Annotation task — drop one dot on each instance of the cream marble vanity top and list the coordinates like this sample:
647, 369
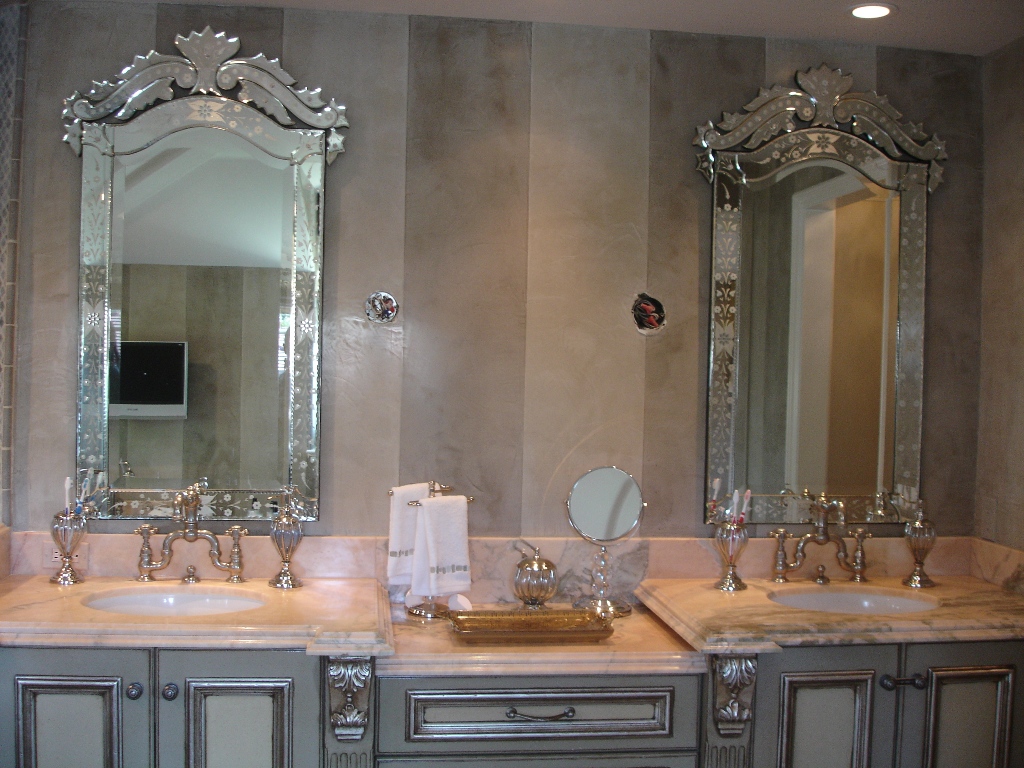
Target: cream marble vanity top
748, 622
640, 644
325, 617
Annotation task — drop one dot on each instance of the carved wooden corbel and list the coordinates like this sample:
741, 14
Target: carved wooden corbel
734, 678
350, 695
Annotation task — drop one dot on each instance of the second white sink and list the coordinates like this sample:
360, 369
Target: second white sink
174, 600
853, 600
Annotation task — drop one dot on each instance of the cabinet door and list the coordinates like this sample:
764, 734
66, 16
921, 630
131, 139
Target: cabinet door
818, 708
963, 715
75, 707
239, 709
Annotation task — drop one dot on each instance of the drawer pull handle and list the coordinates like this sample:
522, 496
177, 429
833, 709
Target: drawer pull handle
566, 714
889, 682
170, 692
134, 691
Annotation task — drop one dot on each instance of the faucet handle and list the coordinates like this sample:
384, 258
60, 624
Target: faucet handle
179, 507
859, 534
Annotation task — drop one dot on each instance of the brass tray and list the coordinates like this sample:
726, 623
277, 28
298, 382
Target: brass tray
524, 625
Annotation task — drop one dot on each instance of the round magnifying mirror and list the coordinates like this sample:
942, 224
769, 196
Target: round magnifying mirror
605, 505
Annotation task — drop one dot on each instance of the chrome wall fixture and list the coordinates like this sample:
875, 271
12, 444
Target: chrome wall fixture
782, 127
381, 307
158, 96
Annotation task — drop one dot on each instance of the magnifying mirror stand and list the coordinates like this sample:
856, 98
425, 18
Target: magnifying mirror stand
599, 600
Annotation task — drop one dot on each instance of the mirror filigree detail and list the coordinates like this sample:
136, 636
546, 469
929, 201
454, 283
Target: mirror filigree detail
130, 133
826, 102
859, 136
205, 68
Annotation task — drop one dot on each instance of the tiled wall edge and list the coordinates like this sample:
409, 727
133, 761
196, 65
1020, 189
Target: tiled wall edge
5, 550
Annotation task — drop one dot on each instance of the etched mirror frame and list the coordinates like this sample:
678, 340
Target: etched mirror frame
253, 98
782, 127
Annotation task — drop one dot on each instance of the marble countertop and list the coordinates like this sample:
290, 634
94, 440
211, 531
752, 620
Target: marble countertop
324, 617
749, 622
640, 644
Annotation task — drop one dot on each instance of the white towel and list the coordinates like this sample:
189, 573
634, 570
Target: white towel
440, 561
402, 531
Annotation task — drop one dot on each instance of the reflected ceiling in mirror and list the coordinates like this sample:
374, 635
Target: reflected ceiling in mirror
201, 223
817, 312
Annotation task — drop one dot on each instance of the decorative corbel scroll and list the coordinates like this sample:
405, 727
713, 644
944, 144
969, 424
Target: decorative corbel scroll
824, 102
205, 68
349, 687
734, 678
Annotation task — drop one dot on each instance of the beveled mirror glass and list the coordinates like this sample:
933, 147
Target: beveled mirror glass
817, 308
201, 226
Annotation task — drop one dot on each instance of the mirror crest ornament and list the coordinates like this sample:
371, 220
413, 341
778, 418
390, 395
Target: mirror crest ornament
252, 98
784, 126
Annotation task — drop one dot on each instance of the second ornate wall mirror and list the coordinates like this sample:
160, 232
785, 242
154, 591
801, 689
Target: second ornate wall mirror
200, 272
817, 298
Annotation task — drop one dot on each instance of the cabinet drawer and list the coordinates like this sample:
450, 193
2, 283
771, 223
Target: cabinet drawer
546, 761
478, 714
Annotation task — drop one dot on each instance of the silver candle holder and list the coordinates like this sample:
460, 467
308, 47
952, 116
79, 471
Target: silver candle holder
920, 537
286, 533
67, 530
730, 537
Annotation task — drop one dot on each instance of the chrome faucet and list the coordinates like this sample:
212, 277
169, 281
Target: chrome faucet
820, 508
186, 509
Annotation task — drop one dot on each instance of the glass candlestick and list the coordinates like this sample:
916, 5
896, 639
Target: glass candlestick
731, 538
67, 530
920, 537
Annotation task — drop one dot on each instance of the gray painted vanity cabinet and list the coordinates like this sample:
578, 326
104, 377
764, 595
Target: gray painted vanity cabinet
132, 708
942, 705
600, 721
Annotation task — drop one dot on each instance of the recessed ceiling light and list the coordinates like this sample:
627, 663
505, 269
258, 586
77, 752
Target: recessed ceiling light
872, 10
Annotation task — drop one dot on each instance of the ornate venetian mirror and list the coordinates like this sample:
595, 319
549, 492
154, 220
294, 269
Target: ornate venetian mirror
200, 281
817, 309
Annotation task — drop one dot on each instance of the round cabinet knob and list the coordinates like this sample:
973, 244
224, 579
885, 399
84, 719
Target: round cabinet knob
170, 692
134, 691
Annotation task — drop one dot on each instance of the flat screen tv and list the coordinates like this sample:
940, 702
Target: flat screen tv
149, 380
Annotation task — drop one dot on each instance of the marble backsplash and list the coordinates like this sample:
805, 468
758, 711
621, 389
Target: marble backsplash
494, 560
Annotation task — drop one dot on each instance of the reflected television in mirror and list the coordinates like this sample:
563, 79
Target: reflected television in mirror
149, 380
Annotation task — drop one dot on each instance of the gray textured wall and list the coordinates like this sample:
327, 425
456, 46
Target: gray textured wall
515, 185
999, 500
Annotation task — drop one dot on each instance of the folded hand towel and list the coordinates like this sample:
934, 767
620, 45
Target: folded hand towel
441, 554
402, 531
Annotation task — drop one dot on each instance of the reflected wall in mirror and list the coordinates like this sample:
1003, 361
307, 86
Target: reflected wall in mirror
201, 230
817, 313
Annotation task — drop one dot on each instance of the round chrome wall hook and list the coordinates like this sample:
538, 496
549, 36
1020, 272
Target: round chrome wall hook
381, 307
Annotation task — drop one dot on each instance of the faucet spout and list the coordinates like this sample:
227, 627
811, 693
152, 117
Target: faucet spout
186, 511
822, 536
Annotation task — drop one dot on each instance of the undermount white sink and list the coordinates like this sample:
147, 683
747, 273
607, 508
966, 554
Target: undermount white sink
863, 601
174, 600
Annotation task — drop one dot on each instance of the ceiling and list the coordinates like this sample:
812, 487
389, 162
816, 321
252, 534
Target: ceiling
974, 27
